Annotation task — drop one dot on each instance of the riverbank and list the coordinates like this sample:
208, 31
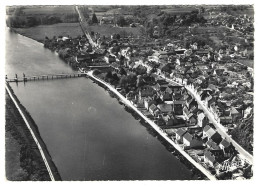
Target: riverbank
156, 128
23, 158
196, 173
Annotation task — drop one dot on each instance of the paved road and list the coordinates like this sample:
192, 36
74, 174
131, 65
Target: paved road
221, 130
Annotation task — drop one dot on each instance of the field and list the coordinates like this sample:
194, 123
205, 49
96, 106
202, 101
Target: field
36, 10
178, 10
38, 33
108, 30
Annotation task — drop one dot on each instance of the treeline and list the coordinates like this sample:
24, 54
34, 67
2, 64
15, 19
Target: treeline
31, 21
20, 20
171, 25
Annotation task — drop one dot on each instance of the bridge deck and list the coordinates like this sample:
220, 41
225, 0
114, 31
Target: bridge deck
46, 77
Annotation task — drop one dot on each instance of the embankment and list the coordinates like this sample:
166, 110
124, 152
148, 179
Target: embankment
185, 155
33, 155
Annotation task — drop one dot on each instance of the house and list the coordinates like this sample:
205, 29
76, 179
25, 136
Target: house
192, 120
130, 95
165, 108
212, 102
178, 107
166, 97
212, 145
148, 102
224, 144
191, 142
211, 133
83, 57
160, 86
163, 55
209, 158
186, 111
160, 122
180, 51
202, 53
111, 59
201, 116
179, 134
192, 105
225, 119
146, 92
170, 122
235, 114
153, 110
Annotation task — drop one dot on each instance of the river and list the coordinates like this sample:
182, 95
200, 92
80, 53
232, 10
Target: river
88, 133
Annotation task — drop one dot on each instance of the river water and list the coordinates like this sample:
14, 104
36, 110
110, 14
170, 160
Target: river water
88, 134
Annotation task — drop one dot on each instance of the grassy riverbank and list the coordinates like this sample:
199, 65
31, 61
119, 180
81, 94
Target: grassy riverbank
23, 159
40, 32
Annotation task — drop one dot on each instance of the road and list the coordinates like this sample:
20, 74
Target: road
159, 130
83, 23
220, 129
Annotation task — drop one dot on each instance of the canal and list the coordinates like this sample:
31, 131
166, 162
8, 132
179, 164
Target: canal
89, 134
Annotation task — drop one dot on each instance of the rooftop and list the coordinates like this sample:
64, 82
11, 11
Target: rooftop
181, 131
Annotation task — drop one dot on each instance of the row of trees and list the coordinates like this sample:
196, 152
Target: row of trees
31, 21
19, 19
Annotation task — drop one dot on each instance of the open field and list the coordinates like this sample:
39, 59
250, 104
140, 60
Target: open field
108, 30
181, 10
38, 33
35, 10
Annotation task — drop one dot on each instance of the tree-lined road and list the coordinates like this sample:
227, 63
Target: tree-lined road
82, 23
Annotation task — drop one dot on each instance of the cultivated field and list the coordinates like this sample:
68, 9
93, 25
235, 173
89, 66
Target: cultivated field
38, 33
36, 10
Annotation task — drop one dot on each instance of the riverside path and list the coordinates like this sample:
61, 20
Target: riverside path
155, 127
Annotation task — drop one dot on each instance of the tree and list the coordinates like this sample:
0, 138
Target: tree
96, 72
122, 71
85, 12
109, 75
251, 56
94, 18
168, 20
121, 21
